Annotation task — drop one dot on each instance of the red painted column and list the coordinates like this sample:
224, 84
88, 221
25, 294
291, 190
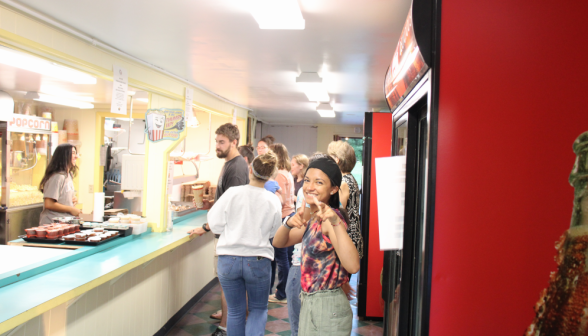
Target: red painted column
512, 101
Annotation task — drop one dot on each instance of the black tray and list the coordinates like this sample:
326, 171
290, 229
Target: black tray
87, 243
121, 232
41, 240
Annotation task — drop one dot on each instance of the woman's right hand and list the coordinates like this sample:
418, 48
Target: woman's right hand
75, 211
297, 221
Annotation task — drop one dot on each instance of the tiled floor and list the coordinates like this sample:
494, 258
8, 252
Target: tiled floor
197, 321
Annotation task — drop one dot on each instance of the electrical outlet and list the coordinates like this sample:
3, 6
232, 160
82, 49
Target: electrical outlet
91, 189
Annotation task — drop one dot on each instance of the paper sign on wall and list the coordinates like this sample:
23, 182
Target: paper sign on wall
390, 188
170, 177
120, 86
164, 124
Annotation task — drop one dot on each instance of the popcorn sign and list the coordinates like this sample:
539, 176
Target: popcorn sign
164, 124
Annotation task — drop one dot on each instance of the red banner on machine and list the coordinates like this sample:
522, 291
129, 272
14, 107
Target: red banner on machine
407, 66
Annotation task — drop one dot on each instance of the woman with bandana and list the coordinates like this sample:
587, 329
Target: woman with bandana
328, 253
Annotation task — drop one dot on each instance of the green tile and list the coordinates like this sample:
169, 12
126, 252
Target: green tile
285, 333
214, 302
267, 332
359, 324
379, 324
206, 315
274, 305
271, 318
287, 320
200, 329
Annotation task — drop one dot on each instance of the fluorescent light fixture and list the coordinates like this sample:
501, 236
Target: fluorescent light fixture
277, 14
42, 97
325, 110
141, 96
131, 93
313, 87
35, 64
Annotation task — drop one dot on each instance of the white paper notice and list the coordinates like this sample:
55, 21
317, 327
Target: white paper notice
103, 156
188, 103
170, 177
120, 85
390, 187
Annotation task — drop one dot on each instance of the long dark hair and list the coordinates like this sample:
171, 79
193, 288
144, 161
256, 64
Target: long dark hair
60, 162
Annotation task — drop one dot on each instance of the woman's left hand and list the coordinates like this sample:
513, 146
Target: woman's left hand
327, 215
74, 200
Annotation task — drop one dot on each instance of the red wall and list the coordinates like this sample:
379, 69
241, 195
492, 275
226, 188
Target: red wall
512, 101
381, 147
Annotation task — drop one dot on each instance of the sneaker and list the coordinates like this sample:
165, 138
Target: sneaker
273, 299
219, 332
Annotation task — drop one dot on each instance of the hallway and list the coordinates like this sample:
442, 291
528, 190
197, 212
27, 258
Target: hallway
197, 322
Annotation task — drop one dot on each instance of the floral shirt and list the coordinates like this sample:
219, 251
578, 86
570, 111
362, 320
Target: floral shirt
320, 268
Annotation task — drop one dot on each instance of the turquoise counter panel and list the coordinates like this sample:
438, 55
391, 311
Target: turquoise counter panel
37, 290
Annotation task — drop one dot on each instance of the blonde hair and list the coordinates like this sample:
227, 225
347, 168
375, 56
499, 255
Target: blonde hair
344, 153
301, 159
264, 166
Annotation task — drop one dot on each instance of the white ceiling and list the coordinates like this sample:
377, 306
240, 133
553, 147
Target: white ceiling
218, 44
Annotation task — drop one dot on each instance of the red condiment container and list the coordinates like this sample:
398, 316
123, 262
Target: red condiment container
41, 232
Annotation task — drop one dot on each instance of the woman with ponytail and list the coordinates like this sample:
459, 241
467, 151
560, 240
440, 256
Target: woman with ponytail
246, 217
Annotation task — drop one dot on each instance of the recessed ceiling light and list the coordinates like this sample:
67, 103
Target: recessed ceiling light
325, 110
277, 14
313, 87
35, 64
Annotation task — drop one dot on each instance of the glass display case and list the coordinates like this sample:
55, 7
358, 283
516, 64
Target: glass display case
25, 152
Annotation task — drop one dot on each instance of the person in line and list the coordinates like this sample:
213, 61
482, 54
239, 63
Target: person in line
344, 155
293, 288
328, 253
246, 151
299, 164
263, 145
57, 185
235, 172
283, 256
246, 217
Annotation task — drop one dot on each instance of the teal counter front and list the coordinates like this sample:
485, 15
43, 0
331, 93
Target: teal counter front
130, 288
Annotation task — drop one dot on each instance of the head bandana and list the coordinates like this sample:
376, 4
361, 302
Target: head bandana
331, 169
258, 175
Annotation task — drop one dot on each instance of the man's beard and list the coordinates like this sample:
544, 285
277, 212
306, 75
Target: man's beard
221, 154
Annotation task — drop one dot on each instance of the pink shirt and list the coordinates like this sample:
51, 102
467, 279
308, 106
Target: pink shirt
286, 183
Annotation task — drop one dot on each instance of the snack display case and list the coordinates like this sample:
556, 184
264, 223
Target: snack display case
25, 152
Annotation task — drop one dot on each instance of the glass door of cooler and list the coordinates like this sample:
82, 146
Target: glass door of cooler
404, 292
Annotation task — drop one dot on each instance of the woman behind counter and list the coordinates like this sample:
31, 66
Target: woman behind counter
57, 185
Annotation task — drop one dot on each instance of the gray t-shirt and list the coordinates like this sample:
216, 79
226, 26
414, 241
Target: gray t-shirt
59, 187
234, 173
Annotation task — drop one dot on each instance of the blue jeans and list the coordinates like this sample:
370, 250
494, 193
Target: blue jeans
293, 289
245, 279
281, 261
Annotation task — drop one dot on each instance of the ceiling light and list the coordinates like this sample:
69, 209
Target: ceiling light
325, 110
30, 63
131, 93
42, 97
141, 96
277, 14
313, 86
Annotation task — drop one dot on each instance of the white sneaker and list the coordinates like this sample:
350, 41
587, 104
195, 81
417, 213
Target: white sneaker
273, 299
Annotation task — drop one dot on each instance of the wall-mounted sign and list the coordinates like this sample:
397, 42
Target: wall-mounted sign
164, 124
407, 66
390, 186
120, 84
29, 122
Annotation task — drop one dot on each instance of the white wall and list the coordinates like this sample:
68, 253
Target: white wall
297, 138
